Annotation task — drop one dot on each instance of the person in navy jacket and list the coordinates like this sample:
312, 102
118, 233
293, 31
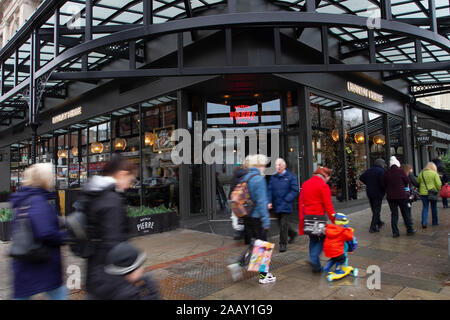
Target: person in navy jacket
283, 189
34, 278
373, 179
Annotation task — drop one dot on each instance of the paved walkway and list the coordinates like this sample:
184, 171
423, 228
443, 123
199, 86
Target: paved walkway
191, 265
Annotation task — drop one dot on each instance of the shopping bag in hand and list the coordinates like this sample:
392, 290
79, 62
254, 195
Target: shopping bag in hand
261, 256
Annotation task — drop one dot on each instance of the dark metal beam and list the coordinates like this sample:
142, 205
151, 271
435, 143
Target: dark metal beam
319, 68
56, 34
324, 40
386, 9
148, 12
432, 15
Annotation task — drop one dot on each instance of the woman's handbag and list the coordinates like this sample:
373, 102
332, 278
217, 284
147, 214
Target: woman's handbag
445, 191
25, 247
314, 225
433, 195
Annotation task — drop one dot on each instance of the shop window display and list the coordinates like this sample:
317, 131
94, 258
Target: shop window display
327, 141
355, 151
377, 138
396, 142
160, 179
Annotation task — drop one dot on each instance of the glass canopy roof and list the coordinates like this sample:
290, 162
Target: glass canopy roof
130, 12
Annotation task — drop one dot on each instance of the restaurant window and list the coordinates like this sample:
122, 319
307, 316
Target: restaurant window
62, 159
377, 138
99, 144
396, 142
326, 118
125, 141
355, 151
160, 179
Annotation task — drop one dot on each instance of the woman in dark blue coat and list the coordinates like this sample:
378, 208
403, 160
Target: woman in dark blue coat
34, 278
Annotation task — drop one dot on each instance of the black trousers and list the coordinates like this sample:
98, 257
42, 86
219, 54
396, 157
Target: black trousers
375, 205
285, 228
253, 229
394, 205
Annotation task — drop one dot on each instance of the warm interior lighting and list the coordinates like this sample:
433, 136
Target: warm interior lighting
62, 154
120, 144
359, 137
379, 139
96, 147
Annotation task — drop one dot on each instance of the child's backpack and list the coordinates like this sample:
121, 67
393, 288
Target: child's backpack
352, 245
240, 200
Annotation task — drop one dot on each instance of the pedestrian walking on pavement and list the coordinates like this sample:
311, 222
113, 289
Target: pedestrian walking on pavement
257, 224
373, 179
282, 191
106, 215
125, 277
237, 223
413, 193
444, 180
428, 179
315, 199
33, 199
396, 183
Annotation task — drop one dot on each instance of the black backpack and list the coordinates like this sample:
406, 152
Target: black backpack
79, 226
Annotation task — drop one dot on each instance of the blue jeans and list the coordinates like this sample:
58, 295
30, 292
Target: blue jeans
434, 211
445, 202
315, 249
55, 294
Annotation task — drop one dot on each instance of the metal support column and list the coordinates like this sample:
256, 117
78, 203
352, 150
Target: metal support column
305, 123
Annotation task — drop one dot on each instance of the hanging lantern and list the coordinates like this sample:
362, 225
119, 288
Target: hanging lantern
149, 139
359, 137
335, 134
120, 144
62, 154
75, 151
379, 139
96, 147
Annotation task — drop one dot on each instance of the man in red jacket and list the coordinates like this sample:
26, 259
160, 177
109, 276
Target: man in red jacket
315, 199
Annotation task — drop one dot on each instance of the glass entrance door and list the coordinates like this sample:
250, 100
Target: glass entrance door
240, 126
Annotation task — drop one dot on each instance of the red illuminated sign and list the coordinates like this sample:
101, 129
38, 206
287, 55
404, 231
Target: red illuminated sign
242, 116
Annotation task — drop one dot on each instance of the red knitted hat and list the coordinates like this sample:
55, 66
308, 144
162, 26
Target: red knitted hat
323, 171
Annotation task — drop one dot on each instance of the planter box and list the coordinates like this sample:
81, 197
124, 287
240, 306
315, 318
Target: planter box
5, 231
153, 223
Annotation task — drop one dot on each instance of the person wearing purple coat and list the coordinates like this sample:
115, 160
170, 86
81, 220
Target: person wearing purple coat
34, 278
396, 182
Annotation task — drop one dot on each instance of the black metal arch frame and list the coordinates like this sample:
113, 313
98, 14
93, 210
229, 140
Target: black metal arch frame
126, 40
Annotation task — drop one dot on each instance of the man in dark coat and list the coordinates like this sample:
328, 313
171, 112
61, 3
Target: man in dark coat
373, 179
283, 189
396, 181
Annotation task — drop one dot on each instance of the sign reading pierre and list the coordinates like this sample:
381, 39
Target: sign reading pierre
67, 115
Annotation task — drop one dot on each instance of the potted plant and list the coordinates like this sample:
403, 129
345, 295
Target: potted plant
145, 220
5, 224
